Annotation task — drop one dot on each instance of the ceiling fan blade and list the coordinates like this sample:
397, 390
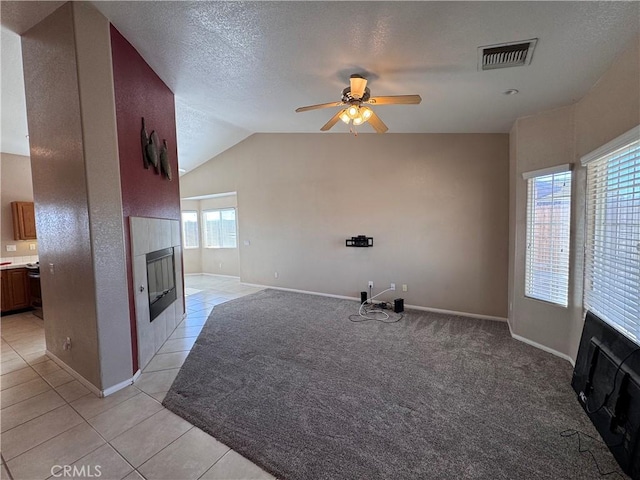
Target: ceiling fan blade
333, 121
395, 100
358, 85
377, 124
321, 105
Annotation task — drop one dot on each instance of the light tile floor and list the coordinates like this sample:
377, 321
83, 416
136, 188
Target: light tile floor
49, 419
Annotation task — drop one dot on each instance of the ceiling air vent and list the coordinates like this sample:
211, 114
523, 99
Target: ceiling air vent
505, 55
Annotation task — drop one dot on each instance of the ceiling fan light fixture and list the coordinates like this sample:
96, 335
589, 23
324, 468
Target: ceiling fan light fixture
353, 111
354, 103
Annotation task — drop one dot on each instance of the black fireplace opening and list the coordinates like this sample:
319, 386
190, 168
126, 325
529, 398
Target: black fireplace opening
161, 281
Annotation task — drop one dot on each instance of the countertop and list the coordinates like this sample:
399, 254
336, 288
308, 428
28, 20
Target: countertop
20, 262
13, 265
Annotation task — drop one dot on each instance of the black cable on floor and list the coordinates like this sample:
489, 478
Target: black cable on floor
572, 433
613, 387
360, 319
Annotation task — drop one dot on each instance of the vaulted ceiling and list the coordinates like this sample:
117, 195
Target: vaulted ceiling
242, 67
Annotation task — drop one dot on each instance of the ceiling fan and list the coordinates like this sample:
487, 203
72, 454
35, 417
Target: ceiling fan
355, 100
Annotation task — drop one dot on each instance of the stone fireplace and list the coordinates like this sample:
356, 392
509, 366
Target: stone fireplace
158, 282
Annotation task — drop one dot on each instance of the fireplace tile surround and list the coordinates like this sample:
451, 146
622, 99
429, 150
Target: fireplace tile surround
149, 235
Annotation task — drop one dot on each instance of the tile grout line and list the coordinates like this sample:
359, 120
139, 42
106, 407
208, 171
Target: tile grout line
172, 442
37, 416
85, 420
28, 366
164, 369
106, 442
27, 398
214, 463
45, 441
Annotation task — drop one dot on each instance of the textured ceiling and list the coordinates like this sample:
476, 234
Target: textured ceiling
242, 67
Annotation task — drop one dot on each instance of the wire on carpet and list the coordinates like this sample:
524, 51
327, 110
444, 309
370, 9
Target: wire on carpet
364, 312
613, 387
572, 433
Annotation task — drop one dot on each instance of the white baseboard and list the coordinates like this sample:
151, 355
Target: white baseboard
95, 390
460, 314
541, 347
119, 386
435, 310
211, 275
413, 307
295, 290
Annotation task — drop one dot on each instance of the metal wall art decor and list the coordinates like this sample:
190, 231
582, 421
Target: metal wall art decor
153, 153
144, 139
164, 159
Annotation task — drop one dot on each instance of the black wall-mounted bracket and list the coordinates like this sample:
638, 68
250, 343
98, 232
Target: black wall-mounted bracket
359, 241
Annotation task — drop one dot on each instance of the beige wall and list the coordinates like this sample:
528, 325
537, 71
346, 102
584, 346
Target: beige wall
436, 205
538, 142
69, 91
221, 261
16, 186
192, 257
561, 136
218, 261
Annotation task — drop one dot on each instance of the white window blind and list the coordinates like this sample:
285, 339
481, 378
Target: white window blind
220, 228
612, 253
190, 229
548, 229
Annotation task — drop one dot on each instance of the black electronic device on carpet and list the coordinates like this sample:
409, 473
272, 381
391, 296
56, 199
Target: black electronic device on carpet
606, 379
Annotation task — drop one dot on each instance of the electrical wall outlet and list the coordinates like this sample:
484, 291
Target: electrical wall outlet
404, 288
275, 274
32, 246
393, 286
67, 344
370, 283
11, 248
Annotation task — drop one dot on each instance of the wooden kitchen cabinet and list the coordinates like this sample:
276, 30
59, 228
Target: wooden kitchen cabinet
15, 289
24, 220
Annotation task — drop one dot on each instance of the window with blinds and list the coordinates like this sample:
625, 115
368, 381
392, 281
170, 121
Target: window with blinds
612, 250
190, 229
220, 228
548, 228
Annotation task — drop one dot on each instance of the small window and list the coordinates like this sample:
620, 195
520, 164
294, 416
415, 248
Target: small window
220, 228
190, 234
612, 257
548, 229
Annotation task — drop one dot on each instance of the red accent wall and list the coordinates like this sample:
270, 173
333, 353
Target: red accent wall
139, 92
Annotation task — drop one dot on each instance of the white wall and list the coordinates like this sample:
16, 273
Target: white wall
561, 136
436, 205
